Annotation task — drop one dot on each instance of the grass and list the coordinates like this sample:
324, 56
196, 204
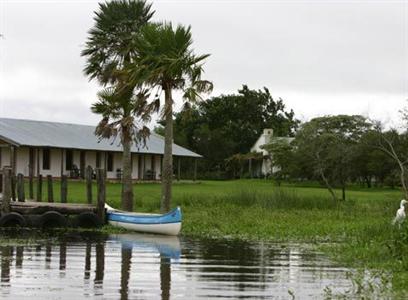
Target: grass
356, 232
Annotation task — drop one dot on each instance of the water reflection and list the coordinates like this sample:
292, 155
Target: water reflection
144, 266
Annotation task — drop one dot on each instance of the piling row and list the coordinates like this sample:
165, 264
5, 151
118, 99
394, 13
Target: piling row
14, 204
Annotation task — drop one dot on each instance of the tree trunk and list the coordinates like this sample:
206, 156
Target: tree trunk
127, 188
343, 192
328, 185
167, 174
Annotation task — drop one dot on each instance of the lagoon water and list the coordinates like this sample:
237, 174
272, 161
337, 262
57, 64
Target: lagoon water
137, 266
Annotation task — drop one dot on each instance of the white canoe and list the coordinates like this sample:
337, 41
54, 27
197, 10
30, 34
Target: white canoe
168, 224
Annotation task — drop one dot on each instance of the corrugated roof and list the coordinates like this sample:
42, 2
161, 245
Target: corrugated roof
74, 136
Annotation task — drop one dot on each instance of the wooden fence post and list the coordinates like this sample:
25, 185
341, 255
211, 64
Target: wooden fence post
101, 196
50, 189
39, 188
13, 186
31, 186
64, 188
88, 176
20, 188
5, 204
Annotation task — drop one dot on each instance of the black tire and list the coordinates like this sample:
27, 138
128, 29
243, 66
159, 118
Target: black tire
88, 220
12, 219
52, 219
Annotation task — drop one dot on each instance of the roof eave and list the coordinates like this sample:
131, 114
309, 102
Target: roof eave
9, 141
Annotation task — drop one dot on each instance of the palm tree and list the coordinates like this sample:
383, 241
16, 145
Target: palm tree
108, 51
124, 117
166, 60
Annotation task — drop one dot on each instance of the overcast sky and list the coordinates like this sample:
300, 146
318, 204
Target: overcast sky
321, 57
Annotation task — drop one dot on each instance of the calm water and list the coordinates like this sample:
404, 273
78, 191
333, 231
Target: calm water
135, 266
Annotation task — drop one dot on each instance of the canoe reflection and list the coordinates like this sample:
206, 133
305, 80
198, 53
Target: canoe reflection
167, 246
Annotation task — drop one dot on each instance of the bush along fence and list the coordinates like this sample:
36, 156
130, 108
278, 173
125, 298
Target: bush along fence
17, 210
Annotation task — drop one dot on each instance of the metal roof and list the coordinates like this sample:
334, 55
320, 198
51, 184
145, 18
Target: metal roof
74, 136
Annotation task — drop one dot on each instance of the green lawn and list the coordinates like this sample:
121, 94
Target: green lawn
356, 232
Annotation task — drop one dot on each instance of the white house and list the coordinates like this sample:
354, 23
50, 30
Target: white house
50, 148
265, 167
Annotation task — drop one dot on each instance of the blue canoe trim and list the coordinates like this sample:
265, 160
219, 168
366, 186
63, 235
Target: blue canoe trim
173, 216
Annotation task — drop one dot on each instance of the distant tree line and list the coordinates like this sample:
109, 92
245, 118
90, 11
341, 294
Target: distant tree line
341, 150
334, 150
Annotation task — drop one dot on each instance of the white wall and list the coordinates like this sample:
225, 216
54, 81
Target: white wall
5, 157
22, 160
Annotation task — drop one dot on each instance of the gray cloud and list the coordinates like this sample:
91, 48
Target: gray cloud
320, 56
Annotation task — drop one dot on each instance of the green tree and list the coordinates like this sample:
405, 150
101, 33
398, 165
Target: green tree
229, 124
109, 51
326, 146
167, 61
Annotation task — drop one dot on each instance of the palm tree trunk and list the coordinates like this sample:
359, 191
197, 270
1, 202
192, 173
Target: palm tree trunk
127, 188
167, 172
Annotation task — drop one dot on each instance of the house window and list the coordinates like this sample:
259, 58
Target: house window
110, 162
69, 160
98, 160
46, 159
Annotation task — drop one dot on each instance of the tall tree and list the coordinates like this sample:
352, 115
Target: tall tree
109, 51
167, 61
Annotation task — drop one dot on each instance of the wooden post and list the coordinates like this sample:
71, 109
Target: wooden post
89, 184
13, 160
195, 170
31, 174
178, 168
20, 188
5, 204
38, 162
31, 187
13, 185
62, 163
50, 189
39, 188
101, 196
64, 188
